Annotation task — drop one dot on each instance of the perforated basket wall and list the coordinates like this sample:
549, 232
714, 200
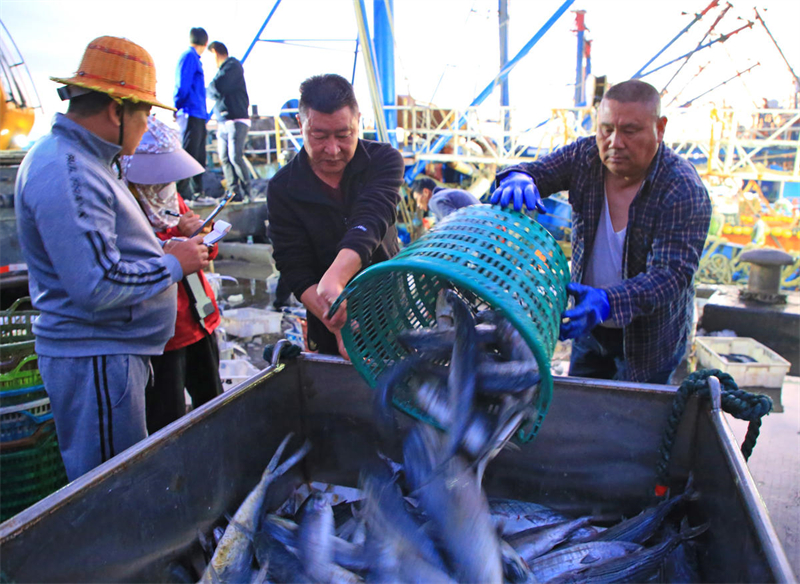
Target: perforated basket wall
494, 258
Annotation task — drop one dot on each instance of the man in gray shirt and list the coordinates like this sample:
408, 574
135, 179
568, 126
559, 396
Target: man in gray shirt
440, 201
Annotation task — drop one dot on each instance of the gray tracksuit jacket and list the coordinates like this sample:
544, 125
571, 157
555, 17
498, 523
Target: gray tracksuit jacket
97, 272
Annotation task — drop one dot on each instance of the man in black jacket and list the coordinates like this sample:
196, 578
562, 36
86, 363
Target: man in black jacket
333, 208
231, 109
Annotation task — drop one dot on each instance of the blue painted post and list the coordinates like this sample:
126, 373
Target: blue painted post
580, 76
383, 39
504, 101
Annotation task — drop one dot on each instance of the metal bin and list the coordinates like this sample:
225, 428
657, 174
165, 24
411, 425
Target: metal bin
596, 452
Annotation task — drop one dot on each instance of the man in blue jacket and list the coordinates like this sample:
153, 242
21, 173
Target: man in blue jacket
98, 275
192, 115
229, 90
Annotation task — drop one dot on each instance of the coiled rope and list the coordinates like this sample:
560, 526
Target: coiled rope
737, 402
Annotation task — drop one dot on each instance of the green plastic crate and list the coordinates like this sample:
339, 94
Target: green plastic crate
17, 325
25, 374
32, 469
492, 257
19, 367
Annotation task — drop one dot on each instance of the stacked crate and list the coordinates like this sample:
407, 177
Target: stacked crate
30, 462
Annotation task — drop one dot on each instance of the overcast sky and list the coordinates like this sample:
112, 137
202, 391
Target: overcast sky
446, 50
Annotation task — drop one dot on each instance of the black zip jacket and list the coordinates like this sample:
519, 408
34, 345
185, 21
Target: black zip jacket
308, 228
230, 92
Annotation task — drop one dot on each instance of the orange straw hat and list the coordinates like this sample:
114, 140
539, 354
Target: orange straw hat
119, 68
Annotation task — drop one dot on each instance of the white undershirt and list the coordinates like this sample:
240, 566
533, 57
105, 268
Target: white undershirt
604, 268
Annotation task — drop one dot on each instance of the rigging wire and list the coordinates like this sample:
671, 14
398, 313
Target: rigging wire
691, 79
450, 65
700, 44
741, 77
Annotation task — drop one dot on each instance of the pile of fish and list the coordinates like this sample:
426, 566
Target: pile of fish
485, 393
428, 519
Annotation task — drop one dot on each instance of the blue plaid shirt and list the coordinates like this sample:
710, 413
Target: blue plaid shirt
667, 227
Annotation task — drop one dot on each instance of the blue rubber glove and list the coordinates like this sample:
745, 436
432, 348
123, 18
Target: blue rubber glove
591, 308
522, 189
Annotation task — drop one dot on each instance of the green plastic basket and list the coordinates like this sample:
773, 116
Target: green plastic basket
32, 469
25, 374
17, 325
493, 258
19, 365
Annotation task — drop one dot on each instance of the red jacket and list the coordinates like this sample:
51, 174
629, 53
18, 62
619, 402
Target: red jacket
187, 329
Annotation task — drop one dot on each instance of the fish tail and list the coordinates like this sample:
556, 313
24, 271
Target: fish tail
293, 459
278, 453
688, 533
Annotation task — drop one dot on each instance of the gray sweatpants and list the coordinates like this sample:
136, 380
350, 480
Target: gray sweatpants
98, 406
231, 137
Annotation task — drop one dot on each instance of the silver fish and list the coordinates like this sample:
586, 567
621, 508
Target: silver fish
346, 554
437, 343
515, 569
636, 567
532, 543
386, 512
549, 566
233, 557
444, 310
452, 498
511, 516
462, 379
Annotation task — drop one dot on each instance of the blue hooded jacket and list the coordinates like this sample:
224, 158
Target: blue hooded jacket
190, 86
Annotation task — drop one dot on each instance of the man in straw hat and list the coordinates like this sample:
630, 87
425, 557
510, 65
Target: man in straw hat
98, 274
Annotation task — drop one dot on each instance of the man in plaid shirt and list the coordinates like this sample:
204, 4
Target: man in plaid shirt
640, 216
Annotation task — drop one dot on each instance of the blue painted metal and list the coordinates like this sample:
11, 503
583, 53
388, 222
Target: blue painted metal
355, 62
504, 96
702, 40
588, 68
260, 30
383, 39
696, 18
374, 82
439, 144
723, 38
580, 75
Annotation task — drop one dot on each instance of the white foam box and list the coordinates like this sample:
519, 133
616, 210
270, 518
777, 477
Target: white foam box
251, 322
233, 371
768, 370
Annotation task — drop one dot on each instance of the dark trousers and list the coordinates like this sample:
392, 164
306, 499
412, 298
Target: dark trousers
230, 147
194, 142
195, 368
282, 294
320, 339
600, 355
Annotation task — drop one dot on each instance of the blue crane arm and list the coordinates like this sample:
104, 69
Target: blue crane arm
412, 172
696, 18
